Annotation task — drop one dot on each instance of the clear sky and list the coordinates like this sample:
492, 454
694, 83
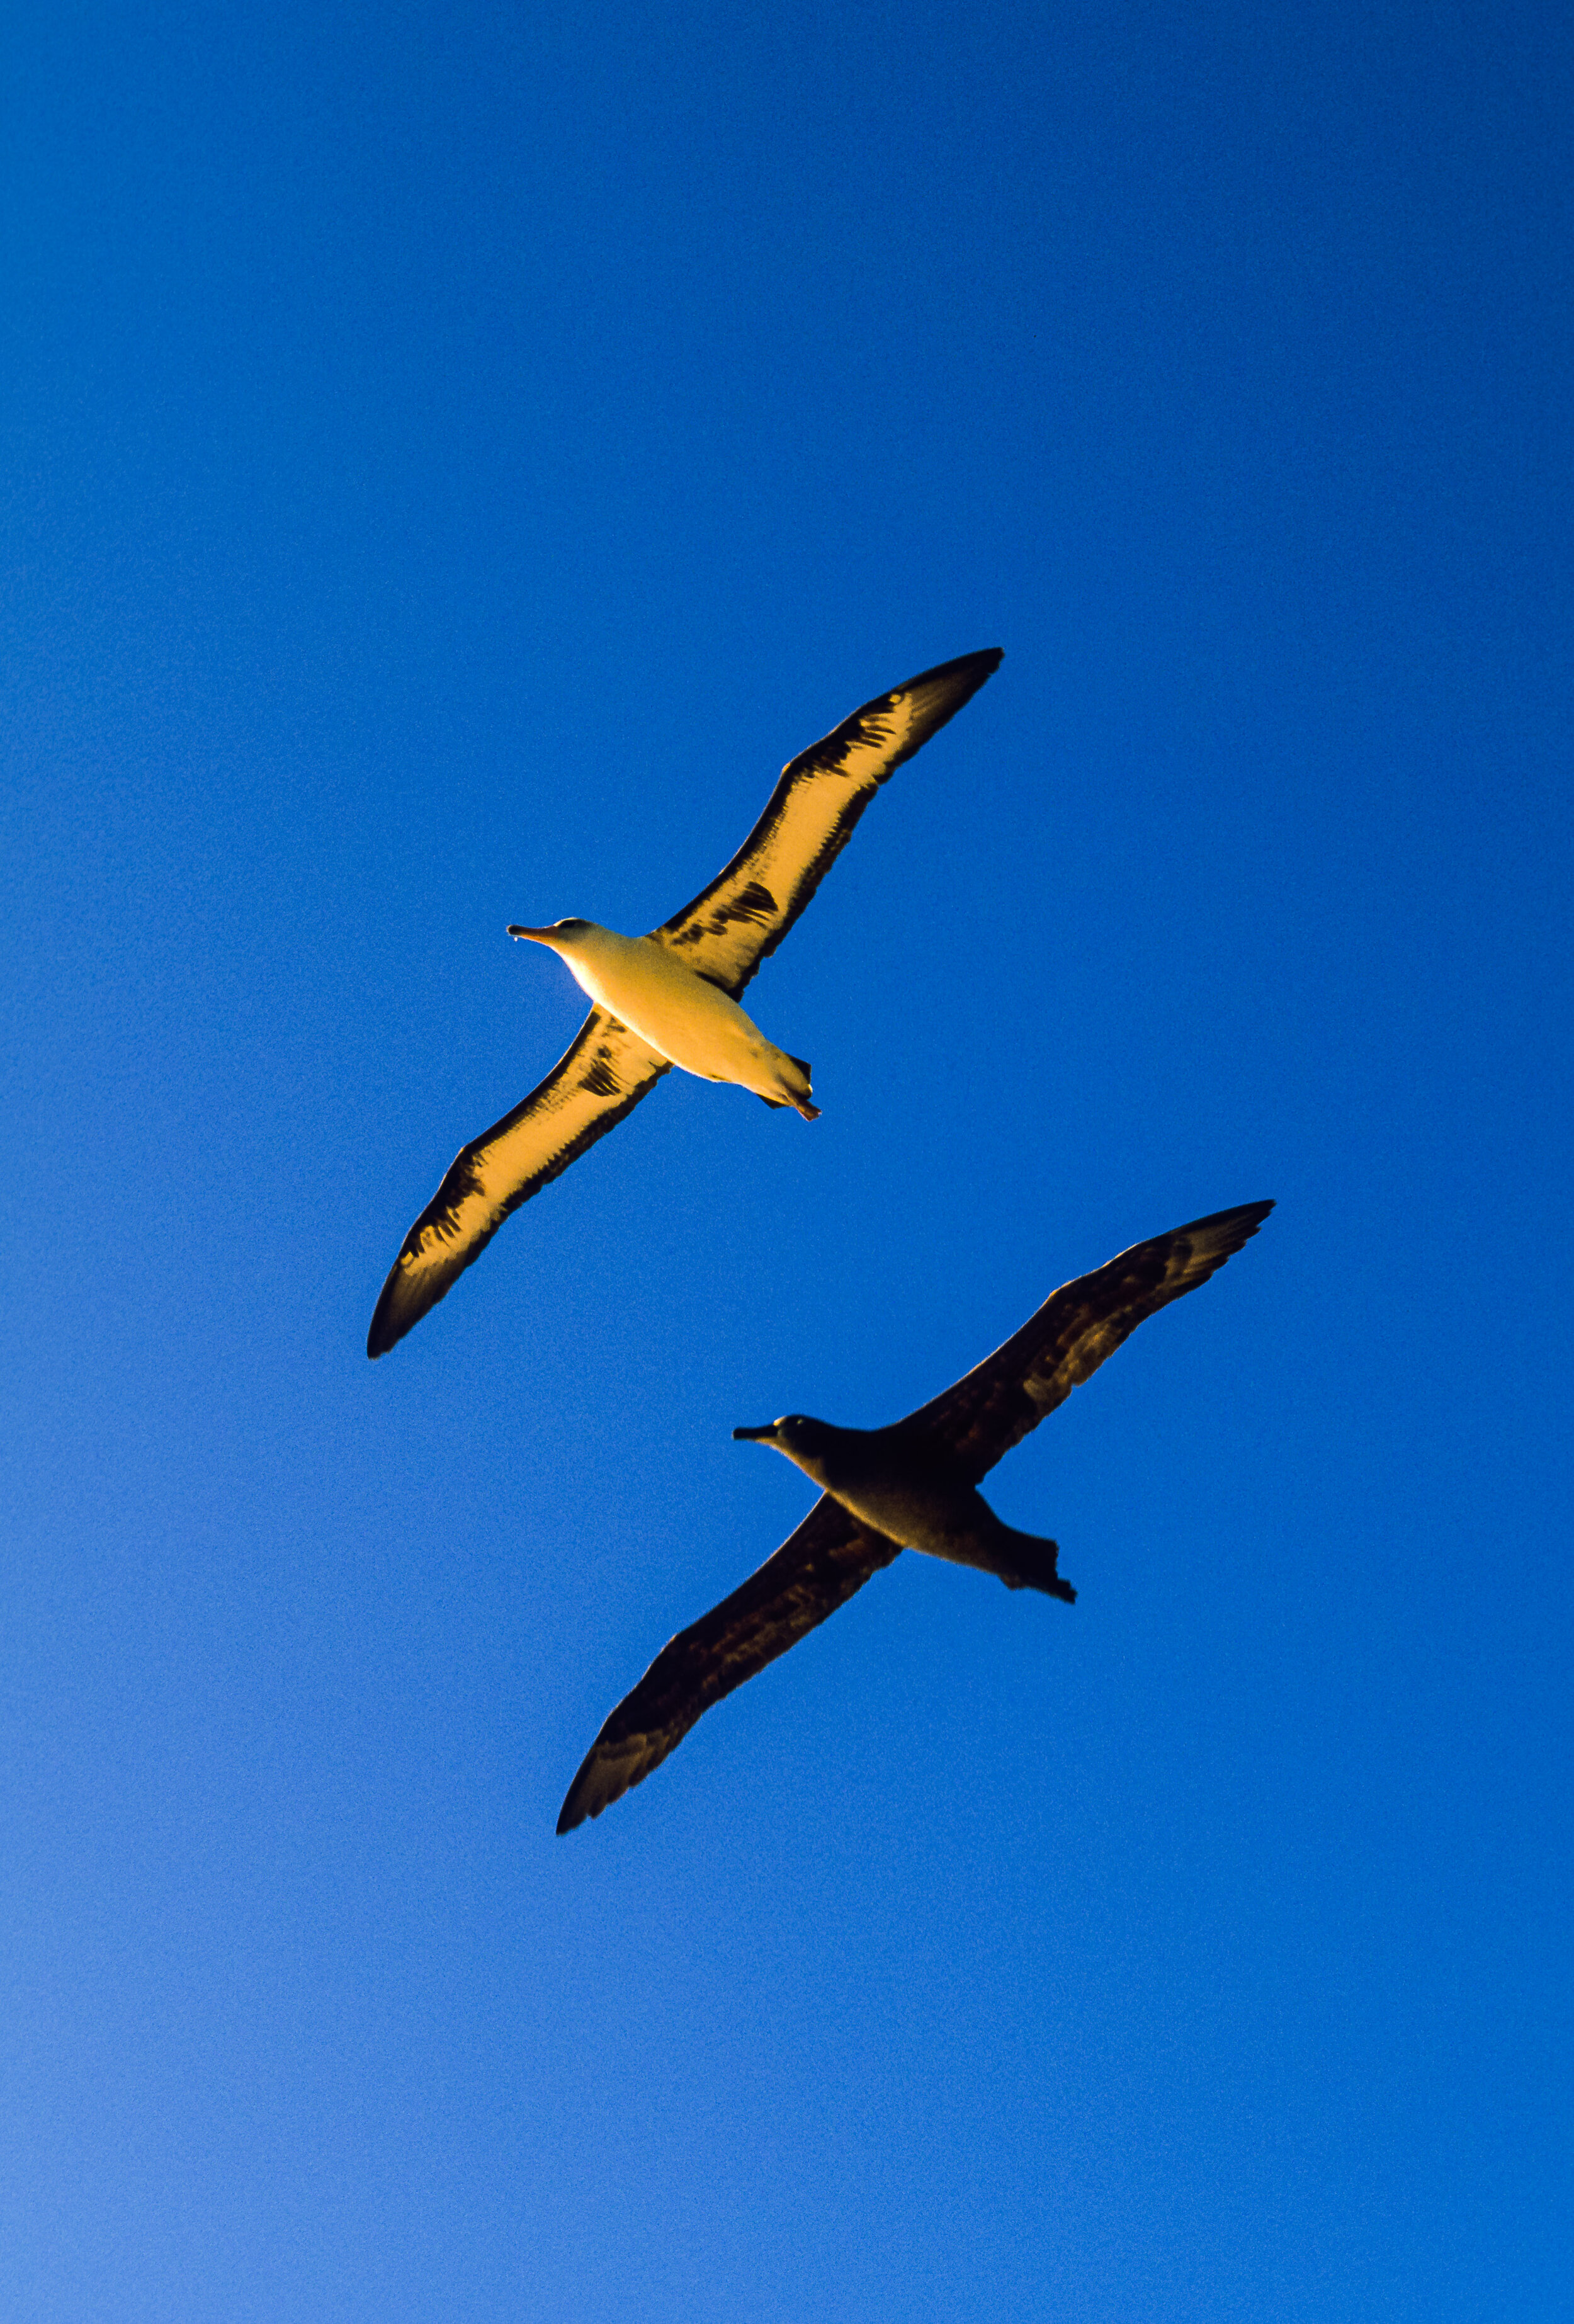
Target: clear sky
454, 455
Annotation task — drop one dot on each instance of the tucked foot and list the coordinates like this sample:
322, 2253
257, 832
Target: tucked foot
810, 1112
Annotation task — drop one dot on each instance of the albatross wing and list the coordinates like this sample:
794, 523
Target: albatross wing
996, 1405
817, 1569
598, 1079
740, 920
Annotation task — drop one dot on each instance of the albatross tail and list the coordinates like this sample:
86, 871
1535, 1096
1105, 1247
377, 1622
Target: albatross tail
796, 1088
803, 1098
1022, 1561
1029, 1563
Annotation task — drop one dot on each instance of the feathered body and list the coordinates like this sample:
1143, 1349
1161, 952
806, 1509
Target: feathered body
677, 1012
900, 1490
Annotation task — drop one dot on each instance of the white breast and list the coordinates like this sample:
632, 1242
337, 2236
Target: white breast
695, 1023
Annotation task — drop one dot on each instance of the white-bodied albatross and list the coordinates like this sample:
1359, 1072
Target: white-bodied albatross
913, 1485
671, 998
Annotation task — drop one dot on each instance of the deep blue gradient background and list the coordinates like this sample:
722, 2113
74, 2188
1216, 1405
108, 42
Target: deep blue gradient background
456, 455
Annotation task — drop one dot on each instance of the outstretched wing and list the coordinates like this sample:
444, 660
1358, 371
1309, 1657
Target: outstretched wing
817, 1569
733, 924
975, 1423
605, 1073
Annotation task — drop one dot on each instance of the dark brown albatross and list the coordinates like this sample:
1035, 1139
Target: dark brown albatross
912, 1485
670, 998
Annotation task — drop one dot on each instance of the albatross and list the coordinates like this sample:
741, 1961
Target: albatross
913, 1485
671, 998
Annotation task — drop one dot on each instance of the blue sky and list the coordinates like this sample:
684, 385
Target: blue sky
455, 457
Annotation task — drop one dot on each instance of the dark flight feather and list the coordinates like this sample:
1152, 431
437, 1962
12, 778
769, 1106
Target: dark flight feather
965, 1430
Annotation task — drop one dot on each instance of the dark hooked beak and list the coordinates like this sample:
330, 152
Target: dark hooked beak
765, 1435
536, 936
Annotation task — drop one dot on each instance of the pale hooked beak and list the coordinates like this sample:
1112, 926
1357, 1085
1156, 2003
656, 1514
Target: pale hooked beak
536, 936
764, 1436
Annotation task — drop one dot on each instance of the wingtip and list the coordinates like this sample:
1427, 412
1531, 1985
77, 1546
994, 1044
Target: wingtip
1234, 1227
579, 1802
578, 1808
1246, 1217
1220, 1236
977, 666
384, 1331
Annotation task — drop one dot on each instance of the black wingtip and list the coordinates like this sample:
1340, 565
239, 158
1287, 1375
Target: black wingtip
975, 667
941, 692
385, 1331
1239, 1223
582, 1806
1247, 1216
